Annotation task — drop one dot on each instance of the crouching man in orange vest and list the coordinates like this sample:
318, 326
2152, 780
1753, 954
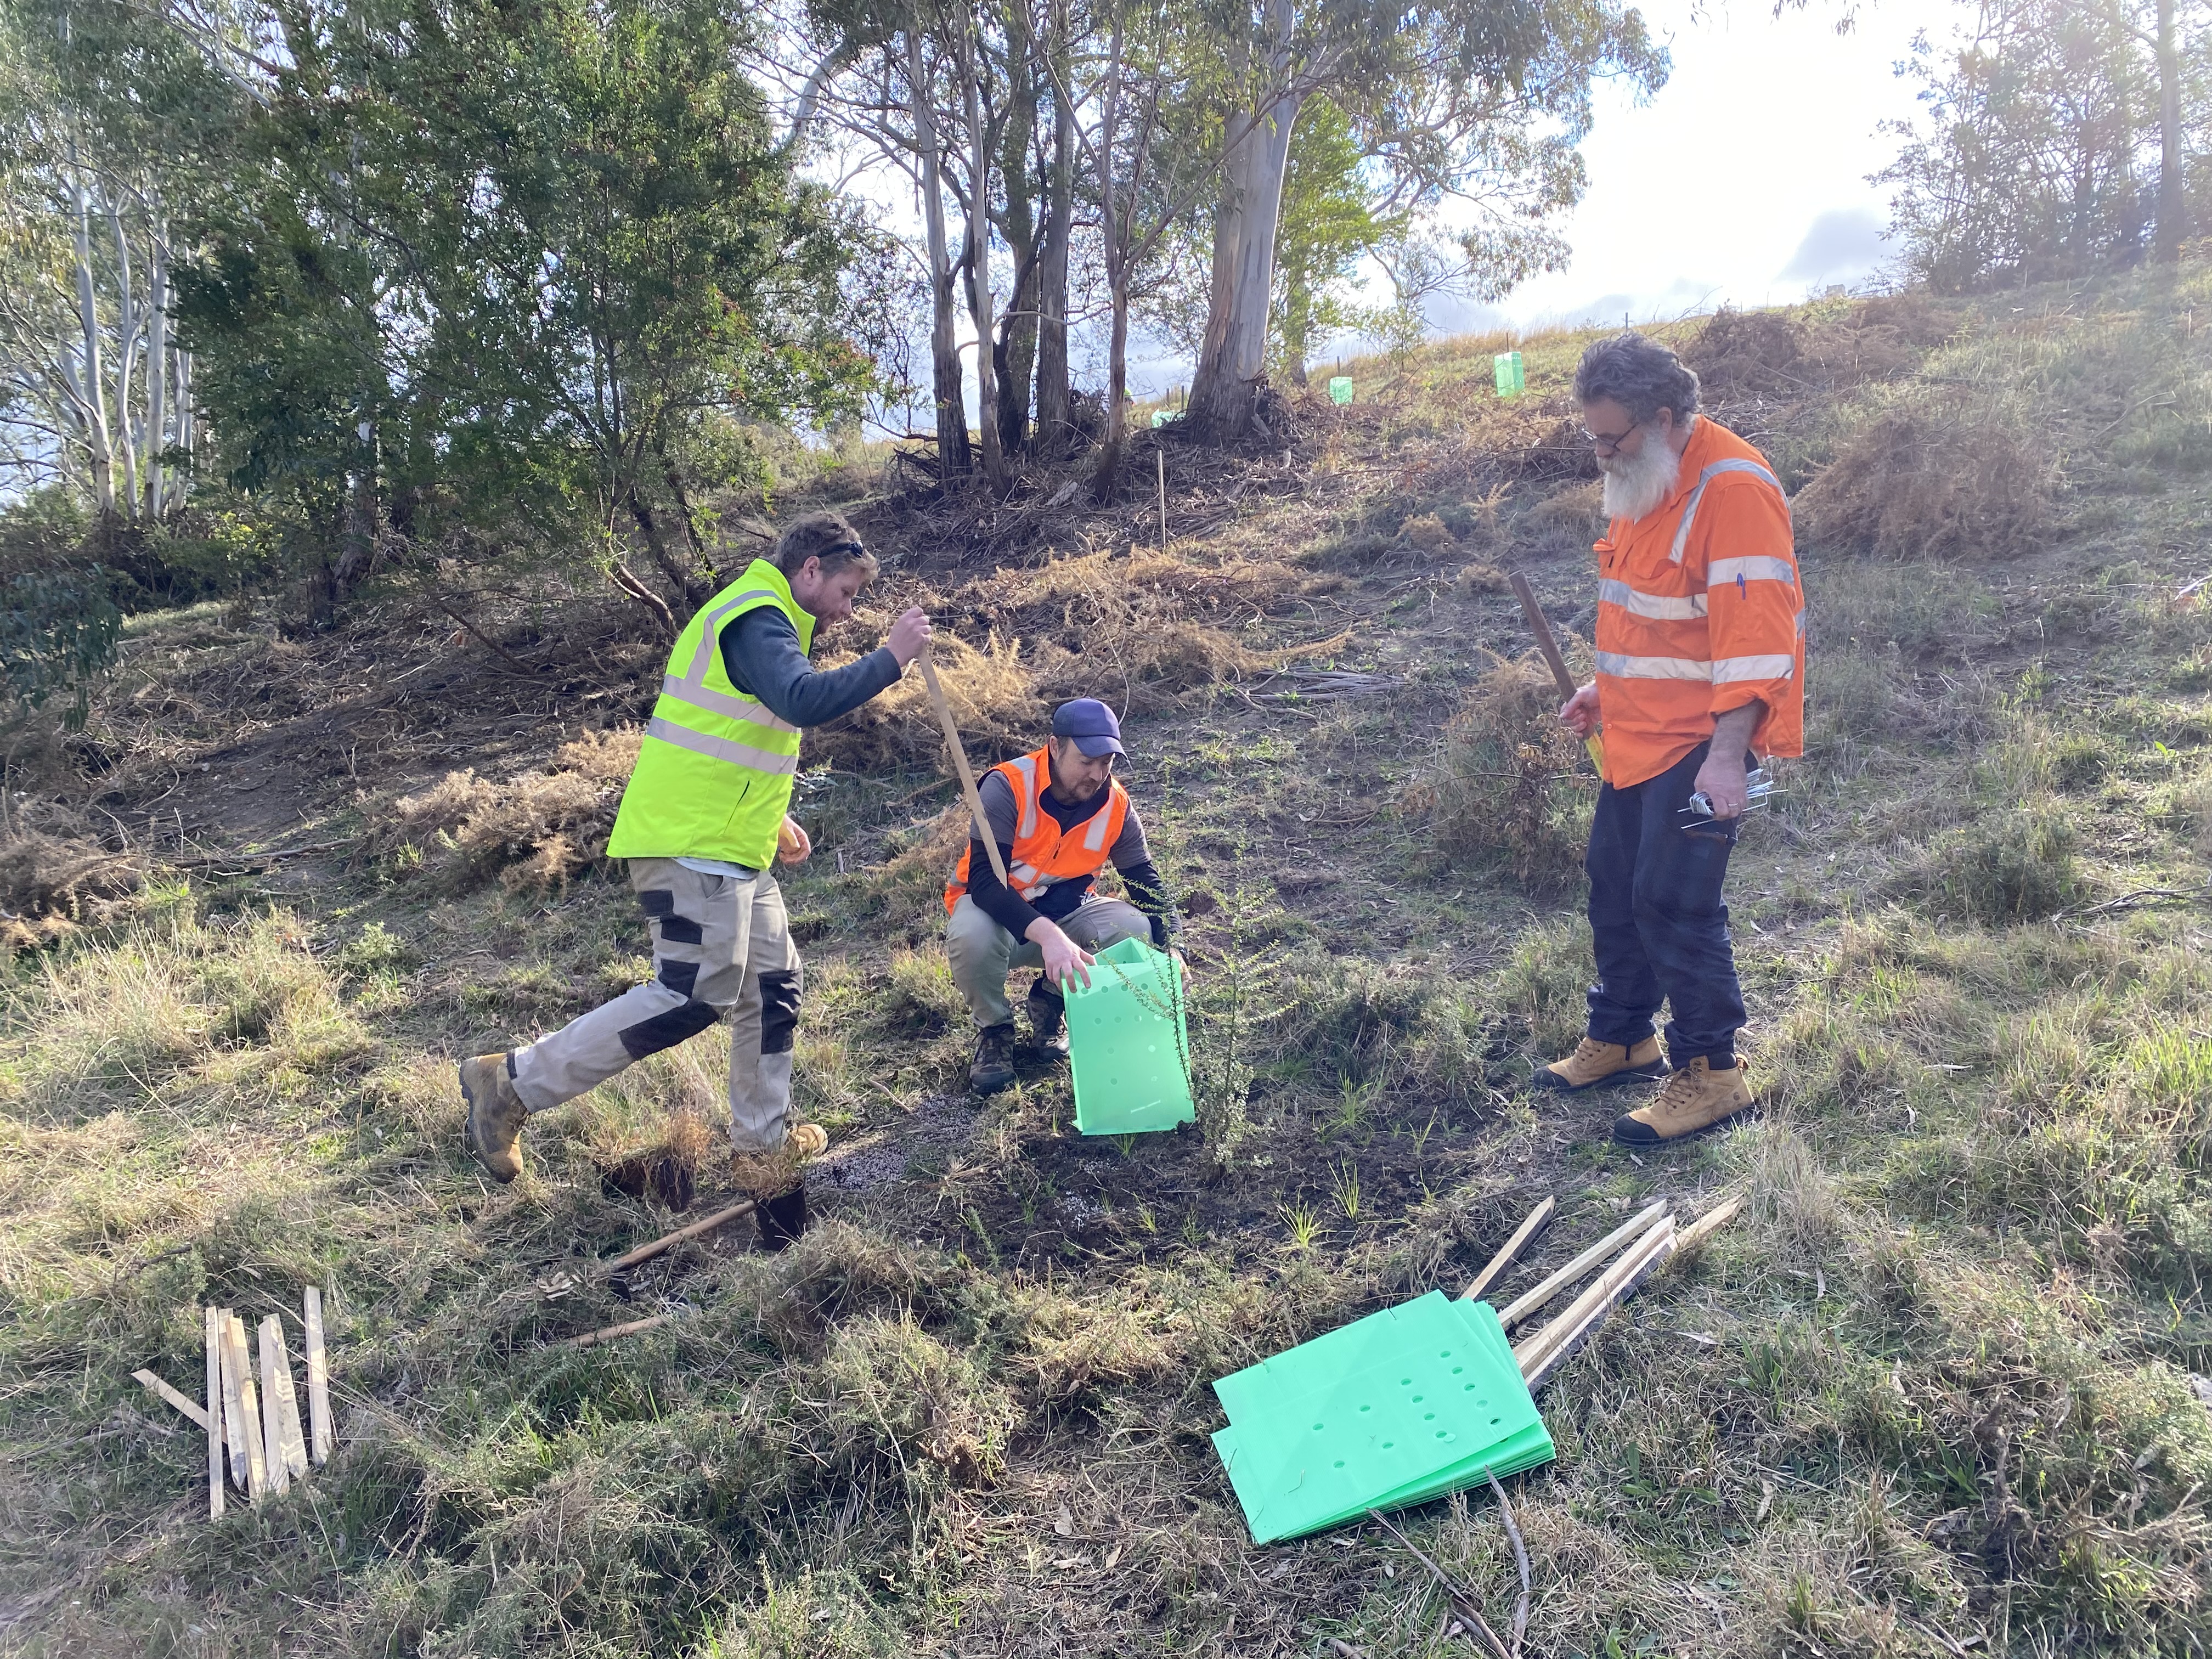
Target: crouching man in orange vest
1060, 815
1700, 666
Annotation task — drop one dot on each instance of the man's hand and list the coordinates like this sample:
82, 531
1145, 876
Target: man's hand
1722, 776
792, 844
1579, 712
1722, 780
1064, 960
909, 635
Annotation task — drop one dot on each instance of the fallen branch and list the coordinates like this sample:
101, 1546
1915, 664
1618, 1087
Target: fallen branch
2140, 895
485, 639
670, 1241
1510, 1252
608, 1334
1463, 1605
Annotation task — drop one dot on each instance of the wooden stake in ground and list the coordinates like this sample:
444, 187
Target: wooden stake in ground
248, 1424
233, 1407
1161, 456
1510, 1252
1540, 625
319, 1380
291, 1450
1530, 1300
214, 1415
967, 774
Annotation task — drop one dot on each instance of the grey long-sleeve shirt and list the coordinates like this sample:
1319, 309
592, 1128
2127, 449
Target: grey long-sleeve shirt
761, 654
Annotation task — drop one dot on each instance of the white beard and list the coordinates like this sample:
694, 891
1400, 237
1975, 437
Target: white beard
1635, 484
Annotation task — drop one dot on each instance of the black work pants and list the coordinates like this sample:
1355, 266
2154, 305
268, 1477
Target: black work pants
1658, 924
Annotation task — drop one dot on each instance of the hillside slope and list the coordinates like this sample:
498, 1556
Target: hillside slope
1932, 1395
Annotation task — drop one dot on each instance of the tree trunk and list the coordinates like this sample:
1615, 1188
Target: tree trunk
1015, 354
973, 67
157, 368
1114, 232
1223, 392
357, 554
187, 418
93, 392
127, 323
2173, 203
1107, 478
1052, 385
953, 458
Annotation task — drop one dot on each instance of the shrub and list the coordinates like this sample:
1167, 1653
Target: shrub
1509, 791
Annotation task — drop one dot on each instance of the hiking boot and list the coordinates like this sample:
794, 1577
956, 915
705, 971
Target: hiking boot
1593, 1063
496, 1114
993, 1068
805, 1140
1696, 1097
1048, 1019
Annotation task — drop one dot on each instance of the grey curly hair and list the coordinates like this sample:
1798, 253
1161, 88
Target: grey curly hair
1641, 376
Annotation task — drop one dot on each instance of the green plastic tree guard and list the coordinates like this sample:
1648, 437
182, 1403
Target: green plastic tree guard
1512, 381
1340, 389
1389, 1410
1128, 1044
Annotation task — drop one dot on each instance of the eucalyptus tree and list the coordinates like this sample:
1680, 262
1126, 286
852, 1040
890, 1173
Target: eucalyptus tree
1485, 102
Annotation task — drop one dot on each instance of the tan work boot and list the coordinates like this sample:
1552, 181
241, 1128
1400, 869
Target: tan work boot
1593, 1063
1696, 1097
495, 1117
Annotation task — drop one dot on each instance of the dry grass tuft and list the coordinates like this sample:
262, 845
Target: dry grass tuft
1508, 789
1427, 532
995, 702
1945, 472
52, 884
537, 830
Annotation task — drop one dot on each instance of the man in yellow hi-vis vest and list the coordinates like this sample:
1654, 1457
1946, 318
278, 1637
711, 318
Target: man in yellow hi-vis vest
706, 809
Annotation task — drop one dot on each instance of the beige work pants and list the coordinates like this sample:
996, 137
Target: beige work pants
982, 953
721, 945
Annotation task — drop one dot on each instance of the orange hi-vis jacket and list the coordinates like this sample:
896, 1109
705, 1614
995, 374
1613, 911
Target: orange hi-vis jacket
1700, 610
1043, 856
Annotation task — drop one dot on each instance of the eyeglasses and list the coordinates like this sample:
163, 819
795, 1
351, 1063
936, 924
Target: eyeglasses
1608, 443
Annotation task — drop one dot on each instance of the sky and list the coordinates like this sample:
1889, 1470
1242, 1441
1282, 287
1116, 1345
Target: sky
1775, 123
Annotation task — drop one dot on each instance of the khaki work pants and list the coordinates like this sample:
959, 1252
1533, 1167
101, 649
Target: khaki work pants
721, 945
982, 953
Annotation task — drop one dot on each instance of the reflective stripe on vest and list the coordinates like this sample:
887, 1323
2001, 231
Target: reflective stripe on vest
735, 704
1757, 567
737, 754
1660, 607
1652, 668
1690, 508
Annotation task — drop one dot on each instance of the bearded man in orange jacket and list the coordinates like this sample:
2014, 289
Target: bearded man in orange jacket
1700, 671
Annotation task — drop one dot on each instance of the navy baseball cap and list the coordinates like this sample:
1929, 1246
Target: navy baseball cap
1092, 724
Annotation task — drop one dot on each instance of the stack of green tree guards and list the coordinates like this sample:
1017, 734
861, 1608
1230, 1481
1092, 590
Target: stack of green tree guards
1127, 1044
1390, 1411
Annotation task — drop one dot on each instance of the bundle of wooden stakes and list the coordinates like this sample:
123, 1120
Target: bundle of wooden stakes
253, 1429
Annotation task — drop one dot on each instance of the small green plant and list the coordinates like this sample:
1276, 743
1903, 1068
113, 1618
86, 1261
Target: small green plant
1345, 1186
1304, 1222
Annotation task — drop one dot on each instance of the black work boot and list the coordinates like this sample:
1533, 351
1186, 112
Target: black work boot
1049, 1018
992, 1069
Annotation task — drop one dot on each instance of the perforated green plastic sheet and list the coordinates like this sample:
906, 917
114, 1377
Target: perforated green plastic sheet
1391, 1410
1129, 1045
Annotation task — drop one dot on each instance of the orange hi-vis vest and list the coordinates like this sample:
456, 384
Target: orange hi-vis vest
1700, 610
1043, 856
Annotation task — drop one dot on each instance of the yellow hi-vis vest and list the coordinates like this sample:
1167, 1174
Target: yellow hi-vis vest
715, 773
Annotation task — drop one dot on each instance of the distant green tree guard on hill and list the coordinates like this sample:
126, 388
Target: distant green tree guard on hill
494, 272
2063, 137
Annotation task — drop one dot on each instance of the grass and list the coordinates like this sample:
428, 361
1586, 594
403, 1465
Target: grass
1930, 1394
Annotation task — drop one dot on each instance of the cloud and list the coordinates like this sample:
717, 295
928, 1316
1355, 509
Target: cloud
1841, 244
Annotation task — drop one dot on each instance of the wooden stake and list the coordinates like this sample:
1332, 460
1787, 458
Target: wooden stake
1161, 456
967, 774
1510, 1252
164, 1391
1530, 1300
214, 1415
1541, 626
1707, 1225
274, 1462
670, 1241
248, 1424
608, 1334
234, 1407
277, 1381
1551, 1347
319, 1380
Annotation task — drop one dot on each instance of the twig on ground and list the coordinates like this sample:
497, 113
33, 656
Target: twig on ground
1463, 1605
2140, 895
609, 1333
670, 1241
486, 640
1520, 1560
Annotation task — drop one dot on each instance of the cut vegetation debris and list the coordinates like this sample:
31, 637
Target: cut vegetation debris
1928, 1393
